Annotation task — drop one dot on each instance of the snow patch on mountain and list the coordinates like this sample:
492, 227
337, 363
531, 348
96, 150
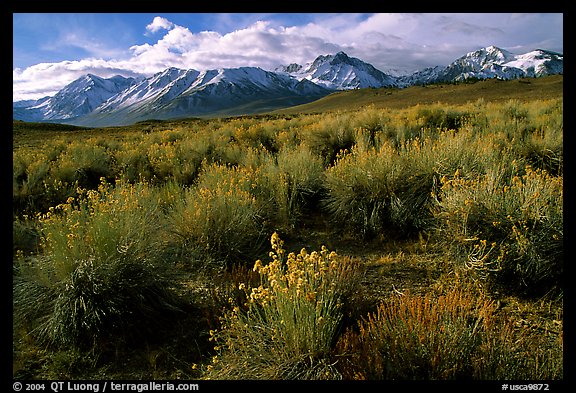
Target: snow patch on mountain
538, 63
162, 86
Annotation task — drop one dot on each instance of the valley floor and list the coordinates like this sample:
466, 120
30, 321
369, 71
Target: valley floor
388, 269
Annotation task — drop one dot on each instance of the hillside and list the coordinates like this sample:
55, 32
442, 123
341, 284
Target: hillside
453, 94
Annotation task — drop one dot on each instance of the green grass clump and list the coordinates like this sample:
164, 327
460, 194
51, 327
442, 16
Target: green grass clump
373, 191
98, 273
288, 185
290, 323
360, 187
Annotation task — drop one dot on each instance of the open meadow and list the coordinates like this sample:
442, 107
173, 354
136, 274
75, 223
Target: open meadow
375, 234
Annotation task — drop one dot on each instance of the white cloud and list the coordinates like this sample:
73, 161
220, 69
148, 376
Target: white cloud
259, 44
46, 79
158, 24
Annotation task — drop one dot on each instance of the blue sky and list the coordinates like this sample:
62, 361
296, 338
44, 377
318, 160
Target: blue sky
51, 50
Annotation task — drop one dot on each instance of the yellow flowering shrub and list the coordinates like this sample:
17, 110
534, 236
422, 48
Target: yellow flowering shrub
99, 269
85, 163
219, 217
508, 223
133, 162
97, 224
290, 322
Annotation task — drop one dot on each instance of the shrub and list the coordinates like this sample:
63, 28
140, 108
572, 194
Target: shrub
541, 156
507, 225
415, 186
360, 187
25, 236
256, 135
370, 191
455, 335
515, 112
98, 274
163, 159
178, 160
422, 337
542, 149
434, 117
329, 136
34, 186
304, 171
85, 164
133, 163
288, 184
29, 174
219, 219
291, 321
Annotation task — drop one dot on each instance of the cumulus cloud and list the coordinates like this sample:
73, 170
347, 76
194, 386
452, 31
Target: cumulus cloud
46, 79
259, 44
159, 23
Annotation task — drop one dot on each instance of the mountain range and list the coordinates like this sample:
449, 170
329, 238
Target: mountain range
173, 93
490, 62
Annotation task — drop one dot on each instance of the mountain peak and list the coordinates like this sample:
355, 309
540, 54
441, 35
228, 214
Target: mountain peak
340, 72
291, 68
490, 54
83, 81
341, 56
492, 48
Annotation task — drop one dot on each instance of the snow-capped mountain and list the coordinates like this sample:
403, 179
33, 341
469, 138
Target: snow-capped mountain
79, 98
340, 72
422, 77
538, 63
490, 62
178, 93
289, 69
160, 88
95, 101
